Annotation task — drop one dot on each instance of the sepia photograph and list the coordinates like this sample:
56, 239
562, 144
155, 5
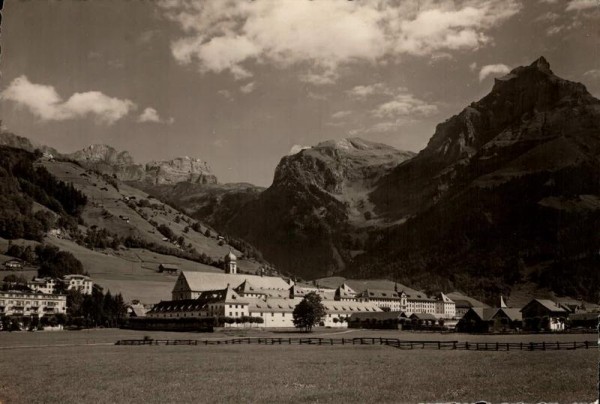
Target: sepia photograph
299, 201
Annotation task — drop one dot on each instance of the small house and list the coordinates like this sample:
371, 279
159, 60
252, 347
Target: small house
168, 268
13, 265
541, 314
484, 320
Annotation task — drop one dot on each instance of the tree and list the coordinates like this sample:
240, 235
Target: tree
308, 312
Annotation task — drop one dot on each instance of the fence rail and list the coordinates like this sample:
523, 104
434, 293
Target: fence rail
392, 342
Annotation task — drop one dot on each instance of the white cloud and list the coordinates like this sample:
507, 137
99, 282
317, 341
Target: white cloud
229, 35
548, 16
493, 70
44, 102
248, 88
473, 66
226, 94
578, 5
151, 115
341, 114
369, 90
593, 74
404, 105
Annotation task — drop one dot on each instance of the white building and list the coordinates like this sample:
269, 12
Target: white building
81, 283
43, 285
21, 303
445, 307
384, 299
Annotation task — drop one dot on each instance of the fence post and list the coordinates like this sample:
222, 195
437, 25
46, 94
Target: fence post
586, 345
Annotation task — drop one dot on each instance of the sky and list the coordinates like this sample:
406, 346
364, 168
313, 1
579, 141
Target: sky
241, 83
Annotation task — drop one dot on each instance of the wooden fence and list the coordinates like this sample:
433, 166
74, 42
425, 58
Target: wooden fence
392, 342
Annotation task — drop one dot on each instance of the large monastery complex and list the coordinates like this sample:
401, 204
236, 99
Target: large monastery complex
272, 299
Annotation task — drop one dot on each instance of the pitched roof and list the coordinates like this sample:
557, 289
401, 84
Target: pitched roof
459, 296
512, 313
547, 304
379, 294
277, 305
202, 281
334, 306
445, 298
423, 316
345, 291
173, 267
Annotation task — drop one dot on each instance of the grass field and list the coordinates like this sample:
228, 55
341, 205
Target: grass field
52, 367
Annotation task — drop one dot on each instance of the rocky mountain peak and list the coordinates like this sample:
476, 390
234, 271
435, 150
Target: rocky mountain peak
526, 93
332, 163
102, 153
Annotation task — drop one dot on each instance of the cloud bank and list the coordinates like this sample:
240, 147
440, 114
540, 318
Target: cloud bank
44, 102
230, 35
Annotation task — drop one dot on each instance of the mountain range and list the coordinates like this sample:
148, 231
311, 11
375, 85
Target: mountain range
505, 194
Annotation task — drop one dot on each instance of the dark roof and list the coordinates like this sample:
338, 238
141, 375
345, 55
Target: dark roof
547, 304
174, 267
379, 294
423, 316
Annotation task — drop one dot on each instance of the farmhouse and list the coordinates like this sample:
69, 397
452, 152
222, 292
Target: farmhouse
541, 314
13, 265
168, 268
479, 319
31, 303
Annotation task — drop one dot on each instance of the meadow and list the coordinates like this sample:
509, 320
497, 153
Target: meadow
84, 366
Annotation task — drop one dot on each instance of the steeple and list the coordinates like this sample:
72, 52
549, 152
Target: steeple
230, 263
502, 303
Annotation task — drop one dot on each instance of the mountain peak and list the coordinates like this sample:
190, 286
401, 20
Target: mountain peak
541, 64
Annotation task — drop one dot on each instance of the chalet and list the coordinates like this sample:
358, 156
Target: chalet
584, 320
425, 319
541, 314
168, 268
13, 265
480, 319
381, 319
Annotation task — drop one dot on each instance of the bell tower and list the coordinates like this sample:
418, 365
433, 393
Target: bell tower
230, 263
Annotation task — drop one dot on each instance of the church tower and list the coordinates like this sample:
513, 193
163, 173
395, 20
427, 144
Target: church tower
230, 263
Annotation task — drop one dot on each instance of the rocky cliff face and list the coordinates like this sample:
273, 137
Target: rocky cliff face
19, 142
107, 160
311, 219
180, 169
525, 109
500, 193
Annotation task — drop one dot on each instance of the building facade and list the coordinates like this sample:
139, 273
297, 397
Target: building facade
20, 303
